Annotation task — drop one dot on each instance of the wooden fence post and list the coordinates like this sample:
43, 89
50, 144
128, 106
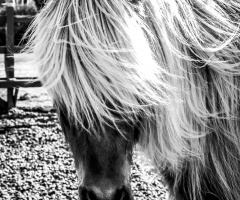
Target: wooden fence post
11, 82
9, 55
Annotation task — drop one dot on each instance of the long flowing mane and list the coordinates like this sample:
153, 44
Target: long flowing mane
174, 62
92, 49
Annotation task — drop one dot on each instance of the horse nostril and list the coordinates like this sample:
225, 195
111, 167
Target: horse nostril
120, 194
123, 194
84, 194
92, 196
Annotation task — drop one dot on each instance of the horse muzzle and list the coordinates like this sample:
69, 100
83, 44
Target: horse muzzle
97, 193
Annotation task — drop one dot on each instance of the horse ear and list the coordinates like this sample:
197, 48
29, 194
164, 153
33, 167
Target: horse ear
39, 4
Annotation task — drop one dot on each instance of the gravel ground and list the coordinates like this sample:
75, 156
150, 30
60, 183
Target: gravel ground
35, 162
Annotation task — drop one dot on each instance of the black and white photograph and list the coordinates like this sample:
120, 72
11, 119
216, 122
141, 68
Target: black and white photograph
119, 99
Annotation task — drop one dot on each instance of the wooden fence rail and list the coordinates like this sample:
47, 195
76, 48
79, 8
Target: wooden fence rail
12, 83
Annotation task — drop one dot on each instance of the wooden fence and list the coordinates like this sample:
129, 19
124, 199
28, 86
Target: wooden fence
11, 82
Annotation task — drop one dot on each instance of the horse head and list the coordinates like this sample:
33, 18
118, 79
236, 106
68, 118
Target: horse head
103, 158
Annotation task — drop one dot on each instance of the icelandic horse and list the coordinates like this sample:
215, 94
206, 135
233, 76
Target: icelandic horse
161, 73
